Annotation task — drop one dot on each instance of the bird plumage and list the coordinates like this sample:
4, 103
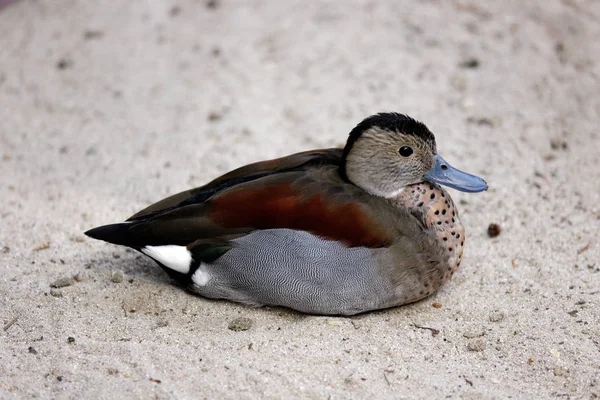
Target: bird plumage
299, 232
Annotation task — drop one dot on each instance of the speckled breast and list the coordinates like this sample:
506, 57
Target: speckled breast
440, 218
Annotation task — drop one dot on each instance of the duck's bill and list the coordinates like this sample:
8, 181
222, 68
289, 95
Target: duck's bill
445, 174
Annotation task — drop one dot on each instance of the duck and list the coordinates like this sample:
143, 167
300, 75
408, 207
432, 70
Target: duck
338, 231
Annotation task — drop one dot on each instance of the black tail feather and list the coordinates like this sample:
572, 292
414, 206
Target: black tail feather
116, 234
121, 234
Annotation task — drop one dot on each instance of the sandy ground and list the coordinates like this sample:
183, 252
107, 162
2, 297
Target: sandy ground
106, 107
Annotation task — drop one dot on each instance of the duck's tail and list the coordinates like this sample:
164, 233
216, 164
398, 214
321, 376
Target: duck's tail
116, 234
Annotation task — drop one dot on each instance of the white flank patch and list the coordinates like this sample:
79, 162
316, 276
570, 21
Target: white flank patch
200, 277
178, 258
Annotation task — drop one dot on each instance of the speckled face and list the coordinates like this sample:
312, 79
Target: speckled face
441, 220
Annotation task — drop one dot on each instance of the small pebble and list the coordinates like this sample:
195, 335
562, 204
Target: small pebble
212, 4
55, 293
43, 246
476, 345
79, 277
116, 277
494, 230
496, 316
162, 324
240, 324
436, 305
558, 144
63, 64
214, 116
62, 282
92, 34
471, 335
470, 63
560, 371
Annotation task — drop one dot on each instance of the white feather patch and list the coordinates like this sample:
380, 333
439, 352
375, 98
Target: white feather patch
178, 258
201, 277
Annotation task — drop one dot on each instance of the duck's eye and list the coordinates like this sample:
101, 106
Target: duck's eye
405, 151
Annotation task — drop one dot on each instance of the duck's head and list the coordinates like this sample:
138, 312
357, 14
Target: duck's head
389, 151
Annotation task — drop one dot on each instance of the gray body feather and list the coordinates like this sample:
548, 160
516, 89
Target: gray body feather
296, 269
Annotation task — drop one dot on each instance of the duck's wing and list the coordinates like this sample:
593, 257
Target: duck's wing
294, 162
289, 200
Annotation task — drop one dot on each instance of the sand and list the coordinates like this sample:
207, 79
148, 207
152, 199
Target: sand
106, 107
